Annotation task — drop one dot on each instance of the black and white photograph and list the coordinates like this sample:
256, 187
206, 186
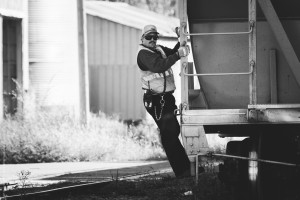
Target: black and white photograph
150, 100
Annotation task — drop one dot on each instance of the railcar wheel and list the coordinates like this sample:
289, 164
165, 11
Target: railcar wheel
271, 181
234, 172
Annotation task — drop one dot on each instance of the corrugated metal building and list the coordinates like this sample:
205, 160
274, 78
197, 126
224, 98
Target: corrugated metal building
42, 51
113, 32
13, 55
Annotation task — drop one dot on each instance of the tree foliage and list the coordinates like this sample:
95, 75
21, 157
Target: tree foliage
165, 7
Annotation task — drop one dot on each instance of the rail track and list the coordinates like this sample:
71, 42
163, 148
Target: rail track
79, 182
85, 184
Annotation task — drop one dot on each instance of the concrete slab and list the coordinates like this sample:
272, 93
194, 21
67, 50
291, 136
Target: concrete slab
9, 172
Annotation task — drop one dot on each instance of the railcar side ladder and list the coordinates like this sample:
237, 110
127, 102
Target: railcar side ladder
252, 52
193, 135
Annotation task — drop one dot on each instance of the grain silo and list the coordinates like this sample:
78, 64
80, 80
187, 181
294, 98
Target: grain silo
53, 53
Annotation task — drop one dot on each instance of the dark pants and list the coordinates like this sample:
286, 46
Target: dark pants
169, 131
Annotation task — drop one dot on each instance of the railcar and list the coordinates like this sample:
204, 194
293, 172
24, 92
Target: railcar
246, 60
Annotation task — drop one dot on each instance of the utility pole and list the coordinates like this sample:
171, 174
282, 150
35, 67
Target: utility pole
177, 8
84, 102
1, 70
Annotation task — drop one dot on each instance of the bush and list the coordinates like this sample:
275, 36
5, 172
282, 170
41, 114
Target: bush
56, 136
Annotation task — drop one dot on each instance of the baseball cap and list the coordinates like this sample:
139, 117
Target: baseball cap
149, 29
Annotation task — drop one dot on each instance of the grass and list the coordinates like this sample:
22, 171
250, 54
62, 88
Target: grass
45, 136
159, 188
36, 134
153, 187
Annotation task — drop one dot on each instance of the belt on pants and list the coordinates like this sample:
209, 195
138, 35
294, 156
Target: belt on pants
147, 91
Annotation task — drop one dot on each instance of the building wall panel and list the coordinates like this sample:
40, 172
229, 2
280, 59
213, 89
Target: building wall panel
12, 4
112, 56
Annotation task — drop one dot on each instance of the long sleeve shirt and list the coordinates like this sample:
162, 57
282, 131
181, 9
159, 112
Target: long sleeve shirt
154, 62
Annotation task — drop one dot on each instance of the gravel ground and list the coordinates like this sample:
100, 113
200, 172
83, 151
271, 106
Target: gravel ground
157, 188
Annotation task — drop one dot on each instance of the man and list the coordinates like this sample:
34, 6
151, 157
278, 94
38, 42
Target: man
157, 78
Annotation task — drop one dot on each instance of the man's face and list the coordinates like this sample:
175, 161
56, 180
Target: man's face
150, 40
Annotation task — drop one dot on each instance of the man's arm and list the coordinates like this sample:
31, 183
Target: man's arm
169, 51
153, 62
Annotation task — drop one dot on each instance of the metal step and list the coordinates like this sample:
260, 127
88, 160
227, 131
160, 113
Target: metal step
273, 106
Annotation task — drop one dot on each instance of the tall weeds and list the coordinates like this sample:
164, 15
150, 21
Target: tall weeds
35, 134
45, 136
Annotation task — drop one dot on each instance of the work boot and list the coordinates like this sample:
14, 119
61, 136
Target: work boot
185, 174
200, 170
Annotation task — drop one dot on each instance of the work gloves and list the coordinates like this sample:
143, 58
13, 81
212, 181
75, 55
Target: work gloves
177, 31
184, 50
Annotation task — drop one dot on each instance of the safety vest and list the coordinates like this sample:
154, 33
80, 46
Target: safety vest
156, 81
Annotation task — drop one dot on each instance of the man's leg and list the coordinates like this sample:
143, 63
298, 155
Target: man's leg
169, 131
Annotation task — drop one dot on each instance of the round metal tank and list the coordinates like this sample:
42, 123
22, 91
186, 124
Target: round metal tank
53, 52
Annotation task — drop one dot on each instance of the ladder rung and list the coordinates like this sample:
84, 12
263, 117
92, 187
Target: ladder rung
220, 74
226, 33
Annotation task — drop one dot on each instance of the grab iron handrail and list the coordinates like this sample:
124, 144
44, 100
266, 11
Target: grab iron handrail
220, 74
225, 33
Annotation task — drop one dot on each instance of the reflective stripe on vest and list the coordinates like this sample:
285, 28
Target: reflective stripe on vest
158, 75
155, 81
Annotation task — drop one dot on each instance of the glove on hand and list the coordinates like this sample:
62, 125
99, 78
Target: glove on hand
183, 51
177, 31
